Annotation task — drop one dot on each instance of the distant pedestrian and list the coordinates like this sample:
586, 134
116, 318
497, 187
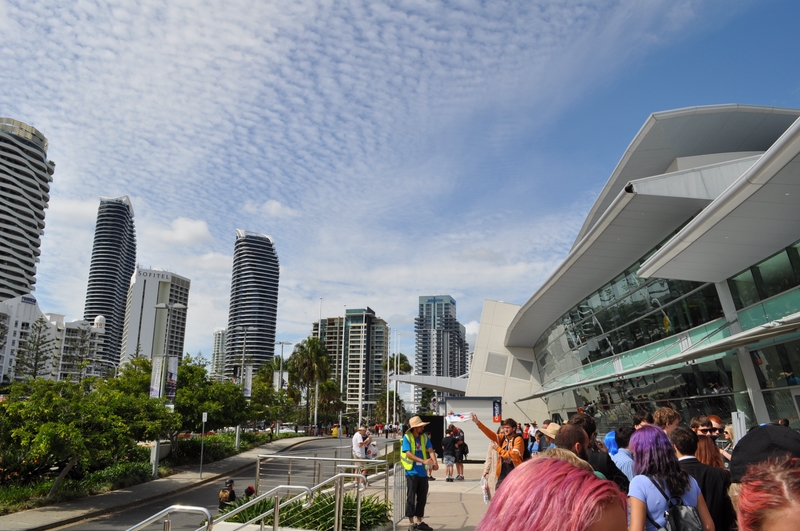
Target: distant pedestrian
227, 495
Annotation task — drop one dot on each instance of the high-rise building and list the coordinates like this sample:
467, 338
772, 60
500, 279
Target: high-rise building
113, 263
363, 338
71, 342
250, 337
25, 177
441, 346
145, 325
217, 370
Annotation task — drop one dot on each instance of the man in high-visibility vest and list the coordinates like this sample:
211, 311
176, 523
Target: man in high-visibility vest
415, 453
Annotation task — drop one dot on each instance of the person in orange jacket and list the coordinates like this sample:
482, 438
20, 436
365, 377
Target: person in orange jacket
509, 446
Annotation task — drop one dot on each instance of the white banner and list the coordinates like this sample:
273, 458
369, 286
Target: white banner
277, 383
172, 378
155, 377
248, 381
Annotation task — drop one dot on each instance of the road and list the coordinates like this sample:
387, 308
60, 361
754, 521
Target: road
207, 495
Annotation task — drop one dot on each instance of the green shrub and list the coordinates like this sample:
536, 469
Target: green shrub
117, 477
374, 512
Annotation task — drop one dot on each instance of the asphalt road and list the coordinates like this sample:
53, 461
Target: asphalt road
207, 495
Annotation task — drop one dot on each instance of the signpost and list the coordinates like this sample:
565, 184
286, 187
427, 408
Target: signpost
202, 442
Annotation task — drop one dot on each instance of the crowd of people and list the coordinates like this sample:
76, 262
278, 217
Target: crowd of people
649, 475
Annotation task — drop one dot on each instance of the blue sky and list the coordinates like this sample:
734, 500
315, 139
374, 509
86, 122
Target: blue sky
391, 149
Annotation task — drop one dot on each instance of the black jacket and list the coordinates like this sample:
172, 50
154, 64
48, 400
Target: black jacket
602, 462
714, 483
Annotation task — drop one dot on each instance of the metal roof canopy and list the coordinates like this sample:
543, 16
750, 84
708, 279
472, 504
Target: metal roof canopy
630, 224
758, 334
753, 219
691, 131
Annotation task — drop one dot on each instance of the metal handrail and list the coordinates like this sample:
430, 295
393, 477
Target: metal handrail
177, 508
307, 491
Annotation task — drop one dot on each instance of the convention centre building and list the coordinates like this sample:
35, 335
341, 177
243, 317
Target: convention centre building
682, 288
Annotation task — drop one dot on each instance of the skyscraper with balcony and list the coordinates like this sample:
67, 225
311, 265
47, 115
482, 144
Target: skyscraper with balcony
441, 346
253, 312
217, 369
25, 177
358, 346
113, 264
145, 327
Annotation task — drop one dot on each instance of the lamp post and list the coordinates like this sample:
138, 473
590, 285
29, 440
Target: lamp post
169, 306
280, 370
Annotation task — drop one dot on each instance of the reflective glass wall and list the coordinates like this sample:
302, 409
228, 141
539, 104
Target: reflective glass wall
626, 313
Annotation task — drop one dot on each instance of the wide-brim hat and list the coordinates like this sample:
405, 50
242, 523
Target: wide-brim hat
551, 430
760, 444
416, 422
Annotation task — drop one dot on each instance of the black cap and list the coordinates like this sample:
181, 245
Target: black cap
228, 482
760, 444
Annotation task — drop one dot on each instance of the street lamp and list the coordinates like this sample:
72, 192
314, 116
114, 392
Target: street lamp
280, 376
169, 306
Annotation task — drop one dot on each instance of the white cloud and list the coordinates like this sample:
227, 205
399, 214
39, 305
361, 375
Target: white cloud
379, 144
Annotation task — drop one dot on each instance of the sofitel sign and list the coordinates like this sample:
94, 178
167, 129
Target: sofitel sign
154, 274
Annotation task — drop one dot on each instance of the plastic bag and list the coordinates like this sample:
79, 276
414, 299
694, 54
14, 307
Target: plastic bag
485, 489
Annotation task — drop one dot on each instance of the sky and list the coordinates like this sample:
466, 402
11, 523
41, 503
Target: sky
390, 149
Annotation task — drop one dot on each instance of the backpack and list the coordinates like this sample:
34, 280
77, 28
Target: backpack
526, 453
224, 495
679, 517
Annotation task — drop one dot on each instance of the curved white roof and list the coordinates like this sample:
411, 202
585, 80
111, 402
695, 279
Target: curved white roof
633, 213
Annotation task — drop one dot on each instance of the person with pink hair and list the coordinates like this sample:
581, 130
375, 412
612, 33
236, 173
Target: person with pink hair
574, 500
769, 499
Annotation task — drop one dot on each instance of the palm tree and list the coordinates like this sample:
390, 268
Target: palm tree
308, 364
400, 362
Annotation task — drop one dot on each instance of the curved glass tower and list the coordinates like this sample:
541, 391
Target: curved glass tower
25, 177
253, 312
113, 264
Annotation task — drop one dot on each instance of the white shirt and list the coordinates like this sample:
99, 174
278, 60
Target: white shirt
358, 445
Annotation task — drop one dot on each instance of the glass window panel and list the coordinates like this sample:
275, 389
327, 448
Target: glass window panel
780, 405
743, 289
774, 275
777, 365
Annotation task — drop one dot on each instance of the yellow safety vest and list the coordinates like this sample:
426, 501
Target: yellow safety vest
408, 464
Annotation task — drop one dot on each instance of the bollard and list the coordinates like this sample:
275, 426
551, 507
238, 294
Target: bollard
275, 513
167, 525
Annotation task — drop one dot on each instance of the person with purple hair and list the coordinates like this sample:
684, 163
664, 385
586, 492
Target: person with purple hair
574, 500
656, 470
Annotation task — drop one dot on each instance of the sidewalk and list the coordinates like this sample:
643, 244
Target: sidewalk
53, 516
457, 505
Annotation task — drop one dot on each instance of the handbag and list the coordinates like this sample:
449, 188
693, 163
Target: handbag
679, 517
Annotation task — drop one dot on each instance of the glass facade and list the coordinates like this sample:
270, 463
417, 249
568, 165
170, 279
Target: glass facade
627, 313
777, 274
714, 386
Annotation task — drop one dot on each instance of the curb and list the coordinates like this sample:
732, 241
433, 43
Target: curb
145, 501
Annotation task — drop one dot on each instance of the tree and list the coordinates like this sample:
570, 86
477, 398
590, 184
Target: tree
308, 364
380, 408
35, 354
424, 407
64, 423
404, 367
330, 400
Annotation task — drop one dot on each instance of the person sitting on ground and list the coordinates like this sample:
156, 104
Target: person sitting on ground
508, 446
770, 496
659, 478
575, 500
227, 495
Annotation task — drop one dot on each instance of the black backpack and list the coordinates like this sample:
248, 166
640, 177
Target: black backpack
526, 452
680, 517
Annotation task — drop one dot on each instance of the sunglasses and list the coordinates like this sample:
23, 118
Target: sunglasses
709, 430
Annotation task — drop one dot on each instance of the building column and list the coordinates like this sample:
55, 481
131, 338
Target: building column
743, 355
